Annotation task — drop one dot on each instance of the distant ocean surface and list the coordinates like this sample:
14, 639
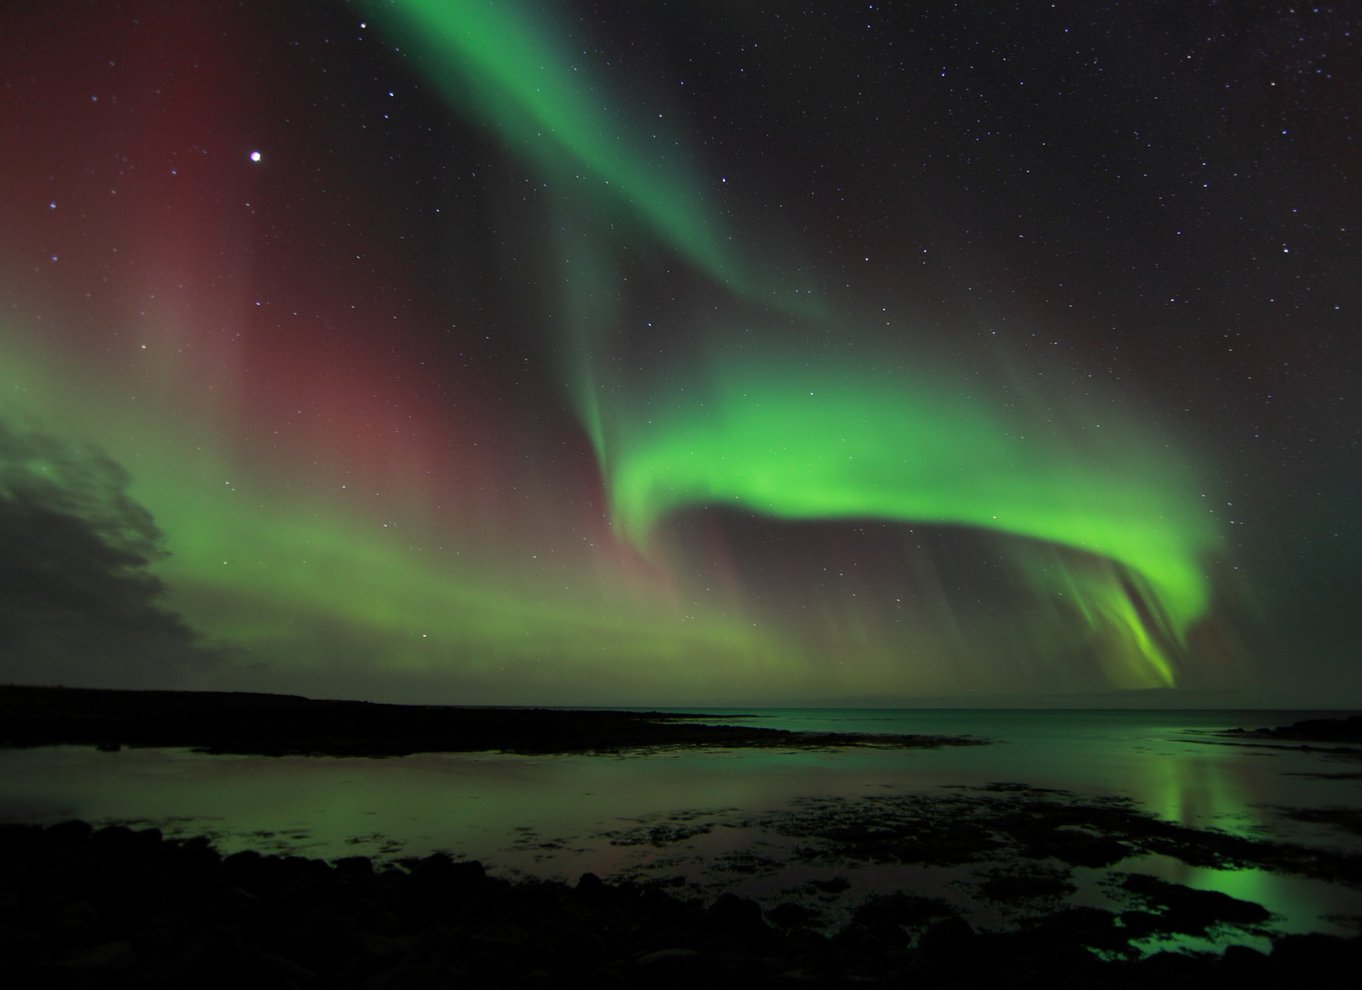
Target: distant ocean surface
693, 817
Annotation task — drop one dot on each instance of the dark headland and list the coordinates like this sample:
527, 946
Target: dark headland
278, 725
1313, 730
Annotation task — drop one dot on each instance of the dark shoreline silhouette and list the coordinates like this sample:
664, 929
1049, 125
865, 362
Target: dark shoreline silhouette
1331, 730
118, 907
277, 725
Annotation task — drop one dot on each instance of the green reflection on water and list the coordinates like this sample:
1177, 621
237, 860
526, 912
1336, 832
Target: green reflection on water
477, 805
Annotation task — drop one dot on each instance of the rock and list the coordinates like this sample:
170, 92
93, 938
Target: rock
1317, 960
411, 976
789, 915
832, 885
108, 957
198, 857
78, 916
121, 841
1078, 848
590, 885
323, 938
949, 938
870, 939
69, 832
901, 908
250, 871
384, 946
1242, 963
536, 979
506, 938
605, 978
493, 967
380, 919
237, 904
796, 979
210, 950
579, 953
1189, 910
355, 866
268, 970
155, 937
437, 879
736, 913
665, 957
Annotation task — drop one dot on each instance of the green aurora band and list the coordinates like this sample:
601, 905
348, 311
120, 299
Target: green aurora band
815, 439
814, 435
1107, 521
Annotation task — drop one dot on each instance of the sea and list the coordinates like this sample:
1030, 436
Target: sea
700, 822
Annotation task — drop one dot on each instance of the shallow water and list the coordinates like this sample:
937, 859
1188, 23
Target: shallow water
694, 816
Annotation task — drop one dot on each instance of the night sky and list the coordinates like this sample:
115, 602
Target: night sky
502, 351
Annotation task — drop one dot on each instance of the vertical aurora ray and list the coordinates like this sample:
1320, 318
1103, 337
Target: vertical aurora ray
501, 62
613, 173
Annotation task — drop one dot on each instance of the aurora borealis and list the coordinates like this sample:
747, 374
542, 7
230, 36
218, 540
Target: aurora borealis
527, 352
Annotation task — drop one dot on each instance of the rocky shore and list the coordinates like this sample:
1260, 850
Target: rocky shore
1323, 730
277, 725
81, 907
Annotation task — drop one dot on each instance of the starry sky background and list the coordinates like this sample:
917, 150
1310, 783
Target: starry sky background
686, 353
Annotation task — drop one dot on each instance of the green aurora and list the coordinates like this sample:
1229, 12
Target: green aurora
821, 440
292, 571
811, 434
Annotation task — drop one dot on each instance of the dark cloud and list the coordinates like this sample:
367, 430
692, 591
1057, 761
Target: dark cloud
78, 603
